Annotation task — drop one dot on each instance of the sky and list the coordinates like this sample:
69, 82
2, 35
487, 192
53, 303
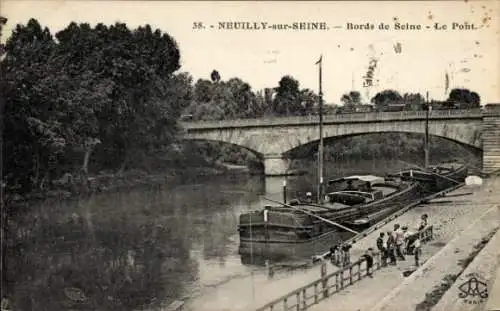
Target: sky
261, 57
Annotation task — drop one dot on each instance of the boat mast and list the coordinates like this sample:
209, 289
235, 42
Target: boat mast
320, 148
426, 137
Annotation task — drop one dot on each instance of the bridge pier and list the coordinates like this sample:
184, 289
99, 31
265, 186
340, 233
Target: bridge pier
275, 165
491, 141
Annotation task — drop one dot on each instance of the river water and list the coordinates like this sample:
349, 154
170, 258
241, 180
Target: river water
120, 251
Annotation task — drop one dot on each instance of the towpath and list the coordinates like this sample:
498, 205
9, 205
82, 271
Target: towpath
255, 290
459, 224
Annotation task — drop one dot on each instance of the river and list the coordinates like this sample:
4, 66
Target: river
120, 251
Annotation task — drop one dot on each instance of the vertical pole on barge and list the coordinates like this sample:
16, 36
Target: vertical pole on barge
284, 191
266, 230
426, 138
320, 148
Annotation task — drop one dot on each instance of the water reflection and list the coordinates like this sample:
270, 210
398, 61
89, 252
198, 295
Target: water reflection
125, 250
121, 251
111, 263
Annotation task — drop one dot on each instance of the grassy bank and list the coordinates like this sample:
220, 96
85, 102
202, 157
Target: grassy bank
174, 170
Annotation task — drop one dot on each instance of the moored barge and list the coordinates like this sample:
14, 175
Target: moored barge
436, 177
295, 230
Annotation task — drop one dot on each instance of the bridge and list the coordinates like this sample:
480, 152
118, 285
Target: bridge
273, 138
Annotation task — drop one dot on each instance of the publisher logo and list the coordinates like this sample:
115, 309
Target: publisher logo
474, 290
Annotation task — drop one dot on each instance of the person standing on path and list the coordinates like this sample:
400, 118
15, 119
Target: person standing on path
339, 257
399, 237
391, 245
408, 240
334, 255
417, 250
346, 254
423, 222
382, 249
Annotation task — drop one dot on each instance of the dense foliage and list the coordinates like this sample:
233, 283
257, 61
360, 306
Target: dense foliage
468, 98
291, 100
353, 98
108, 91
107, 98
458, 98
216, 99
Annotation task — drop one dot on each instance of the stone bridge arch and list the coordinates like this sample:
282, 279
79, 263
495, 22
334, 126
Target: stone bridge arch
305, 150
273, 138
460, 131
272, 144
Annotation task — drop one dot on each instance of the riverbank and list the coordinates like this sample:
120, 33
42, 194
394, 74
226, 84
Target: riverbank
108, 182
458, 230
424, 287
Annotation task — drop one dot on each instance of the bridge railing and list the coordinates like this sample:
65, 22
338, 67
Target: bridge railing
337, 118
328, 285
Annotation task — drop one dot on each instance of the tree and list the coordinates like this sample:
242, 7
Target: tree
215, 76
109, 89
385, 97
242, 97
413, 97
353, 98
287, 99
33, 136
203, 91
464, 97
261, 107
475, 100
309, 101
225, 99
414, 100
140, 63
3, 242
3, 21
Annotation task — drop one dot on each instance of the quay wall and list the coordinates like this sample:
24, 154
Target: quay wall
413, 289
485, 266
451, 218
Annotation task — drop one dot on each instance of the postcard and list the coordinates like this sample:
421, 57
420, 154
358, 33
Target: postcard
250, 155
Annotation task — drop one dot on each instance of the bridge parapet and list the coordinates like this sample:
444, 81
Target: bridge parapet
337, 118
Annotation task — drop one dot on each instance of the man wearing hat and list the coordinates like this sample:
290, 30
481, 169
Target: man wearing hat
391, 245
382, 248
346, 256
399, 237
407, 237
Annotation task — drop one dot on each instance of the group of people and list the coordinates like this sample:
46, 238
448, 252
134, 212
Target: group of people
340, 254
392, 245
401, 242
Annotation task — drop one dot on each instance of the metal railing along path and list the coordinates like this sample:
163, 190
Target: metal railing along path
310, 294
328, 285
400, 212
